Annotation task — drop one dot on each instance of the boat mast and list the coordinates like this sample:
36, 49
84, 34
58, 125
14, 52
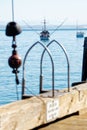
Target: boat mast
77, 26
44, 24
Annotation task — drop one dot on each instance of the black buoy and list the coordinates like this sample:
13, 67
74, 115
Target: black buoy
13, 29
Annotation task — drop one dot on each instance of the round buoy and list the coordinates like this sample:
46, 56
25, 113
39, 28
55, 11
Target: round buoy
14, 61
13, 29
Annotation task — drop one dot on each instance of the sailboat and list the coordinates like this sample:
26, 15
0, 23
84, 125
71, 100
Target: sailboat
44, 35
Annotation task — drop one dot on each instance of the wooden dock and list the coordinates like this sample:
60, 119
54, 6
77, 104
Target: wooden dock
35, 112
74, 122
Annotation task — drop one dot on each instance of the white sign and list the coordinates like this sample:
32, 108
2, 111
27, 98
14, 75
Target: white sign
52, 110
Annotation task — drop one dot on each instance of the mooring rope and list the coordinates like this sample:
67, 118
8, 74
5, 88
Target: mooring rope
35, 95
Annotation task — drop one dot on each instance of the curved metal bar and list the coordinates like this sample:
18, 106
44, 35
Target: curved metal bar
68, 68
41, 76
23, 78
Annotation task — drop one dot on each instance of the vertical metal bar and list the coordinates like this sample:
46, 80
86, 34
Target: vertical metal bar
52, 72
41, 83
84, 64
12, 10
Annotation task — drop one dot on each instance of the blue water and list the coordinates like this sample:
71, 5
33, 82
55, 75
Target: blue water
73, 46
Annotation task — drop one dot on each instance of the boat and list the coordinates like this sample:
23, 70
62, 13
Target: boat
79, 33
44, 35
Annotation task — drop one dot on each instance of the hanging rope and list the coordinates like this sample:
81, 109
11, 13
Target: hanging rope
14, 61
17, 92
35, 95
12, 10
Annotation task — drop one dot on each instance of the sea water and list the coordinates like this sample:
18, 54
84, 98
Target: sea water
73, 47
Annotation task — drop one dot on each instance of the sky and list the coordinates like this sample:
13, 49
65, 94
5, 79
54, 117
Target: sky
35, 11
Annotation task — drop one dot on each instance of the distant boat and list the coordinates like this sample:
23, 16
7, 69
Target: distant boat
80, 34
44, 35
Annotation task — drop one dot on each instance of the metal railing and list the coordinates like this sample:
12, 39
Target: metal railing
68, 66
41, 61
23, 78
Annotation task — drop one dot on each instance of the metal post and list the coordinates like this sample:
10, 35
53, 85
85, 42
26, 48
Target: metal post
68, 67
84, 65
